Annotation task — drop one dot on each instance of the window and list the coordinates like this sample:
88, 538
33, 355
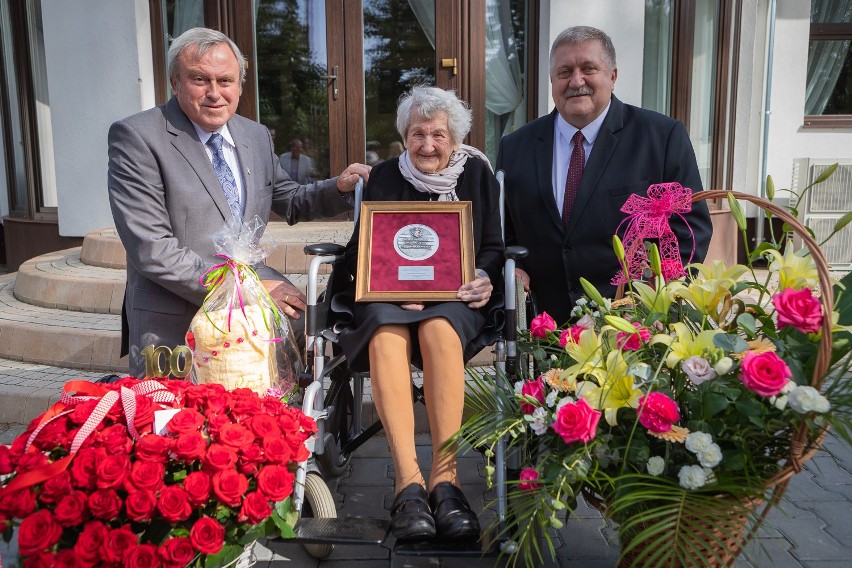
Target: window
828, 98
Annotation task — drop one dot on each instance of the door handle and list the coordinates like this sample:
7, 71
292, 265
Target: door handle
451, 63
332, 80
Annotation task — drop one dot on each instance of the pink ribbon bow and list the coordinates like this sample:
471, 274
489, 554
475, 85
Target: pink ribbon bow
648, 218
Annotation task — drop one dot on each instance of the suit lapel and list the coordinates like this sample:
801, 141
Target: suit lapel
245, 157
602, 151
187, 143
544, 170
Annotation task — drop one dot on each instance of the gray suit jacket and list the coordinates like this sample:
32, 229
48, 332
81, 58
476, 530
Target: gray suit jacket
167, 203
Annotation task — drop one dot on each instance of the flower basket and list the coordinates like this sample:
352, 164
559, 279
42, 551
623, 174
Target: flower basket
152, 473
681, 411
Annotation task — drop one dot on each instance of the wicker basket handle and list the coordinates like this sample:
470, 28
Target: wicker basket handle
826, 297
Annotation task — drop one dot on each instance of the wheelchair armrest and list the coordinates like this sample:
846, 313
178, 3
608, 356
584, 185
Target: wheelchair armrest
323, 249
516, 252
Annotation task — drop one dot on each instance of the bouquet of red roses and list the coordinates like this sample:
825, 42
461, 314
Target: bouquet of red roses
151, 473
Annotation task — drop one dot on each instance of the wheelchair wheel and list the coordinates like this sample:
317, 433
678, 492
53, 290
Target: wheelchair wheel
319, 504
334, 462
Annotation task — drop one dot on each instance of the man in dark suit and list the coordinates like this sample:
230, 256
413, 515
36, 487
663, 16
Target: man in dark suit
622, 150
178, 172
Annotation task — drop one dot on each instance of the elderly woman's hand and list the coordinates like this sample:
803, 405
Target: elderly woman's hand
476, 293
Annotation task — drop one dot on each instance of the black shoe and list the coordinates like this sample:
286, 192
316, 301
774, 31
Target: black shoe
453, 516
410, 515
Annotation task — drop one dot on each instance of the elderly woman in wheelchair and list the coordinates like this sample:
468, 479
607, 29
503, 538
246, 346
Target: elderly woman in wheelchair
440, 337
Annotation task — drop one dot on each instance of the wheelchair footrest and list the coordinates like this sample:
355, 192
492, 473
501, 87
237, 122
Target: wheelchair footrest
340, 531
487, 545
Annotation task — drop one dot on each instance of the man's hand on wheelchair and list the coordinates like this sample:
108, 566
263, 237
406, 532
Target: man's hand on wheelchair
476, 293
286, 296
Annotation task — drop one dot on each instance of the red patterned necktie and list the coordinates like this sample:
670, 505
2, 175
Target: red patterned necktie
575, 174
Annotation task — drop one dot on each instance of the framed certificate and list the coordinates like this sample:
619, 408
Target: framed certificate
412, 251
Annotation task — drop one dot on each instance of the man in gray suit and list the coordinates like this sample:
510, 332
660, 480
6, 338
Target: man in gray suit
167, 199
299, 165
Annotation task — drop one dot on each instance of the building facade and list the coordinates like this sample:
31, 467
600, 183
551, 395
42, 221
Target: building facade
764, 87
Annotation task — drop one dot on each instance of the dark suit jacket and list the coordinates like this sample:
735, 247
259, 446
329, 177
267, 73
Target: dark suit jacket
634, 149
167, 203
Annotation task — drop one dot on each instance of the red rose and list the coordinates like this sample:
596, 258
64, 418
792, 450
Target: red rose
18, 504
104, 504
301, 453
276, 449
289, 422
633, 341
84, 473
88, 547
144, 413
535, 390
196, 395
115, 439
216, 421
764, 373
219, 457
576, 421
66, 558
54, 434
174, 504
41, 560
38, 532
255, 509
229, 486
187, 420
189, 447
264, 425
146, 475
235, 435
306, 423
71, 510
30, 461
112, 470
117, 542
5, 460
244, 403
176, 552
142, 556
153, 448
207, 536
197, 486
250, 458
55, 488
571, 334
276, 482
82, 411
528, 479
216, 403
798, 309
541, 325
270, 406
140, 505
657, 412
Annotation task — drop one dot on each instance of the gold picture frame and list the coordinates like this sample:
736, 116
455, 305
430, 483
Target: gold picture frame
414, 251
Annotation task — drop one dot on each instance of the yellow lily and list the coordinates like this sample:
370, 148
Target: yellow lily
795, 270
657, 301
587, 353
686, 345
616, 391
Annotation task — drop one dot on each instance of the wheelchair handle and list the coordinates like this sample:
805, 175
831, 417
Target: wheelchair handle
359, 194
516, 252
325, 249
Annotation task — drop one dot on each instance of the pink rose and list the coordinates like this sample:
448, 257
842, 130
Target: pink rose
633, 341
529, 479
798, 309
541, 324
571, 334
576, 421
534, 389
764, 373
657, 412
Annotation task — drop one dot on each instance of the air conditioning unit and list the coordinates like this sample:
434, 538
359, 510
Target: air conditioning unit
825, 204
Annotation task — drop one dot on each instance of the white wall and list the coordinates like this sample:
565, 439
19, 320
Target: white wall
623, 21
787, 139
99, 70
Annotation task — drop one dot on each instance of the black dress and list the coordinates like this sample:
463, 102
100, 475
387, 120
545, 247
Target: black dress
476, 327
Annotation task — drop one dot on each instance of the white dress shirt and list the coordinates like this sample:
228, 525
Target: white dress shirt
229, 149
562, 148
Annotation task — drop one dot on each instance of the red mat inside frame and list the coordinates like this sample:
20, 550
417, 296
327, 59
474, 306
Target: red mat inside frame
385, 262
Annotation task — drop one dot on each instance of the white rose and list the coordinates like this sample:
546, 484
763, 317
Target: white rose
804, 399
539, 421
698, 369
550, 400
656, 465
698, 441
711, 456
723, 365
692, 477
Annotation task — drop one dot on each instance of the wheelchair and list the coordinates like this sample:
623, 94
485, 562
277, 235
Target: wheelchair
332, 394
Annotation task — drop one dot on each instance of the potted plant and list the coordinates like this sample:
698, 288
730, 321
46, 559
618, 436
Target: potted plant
680, 410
